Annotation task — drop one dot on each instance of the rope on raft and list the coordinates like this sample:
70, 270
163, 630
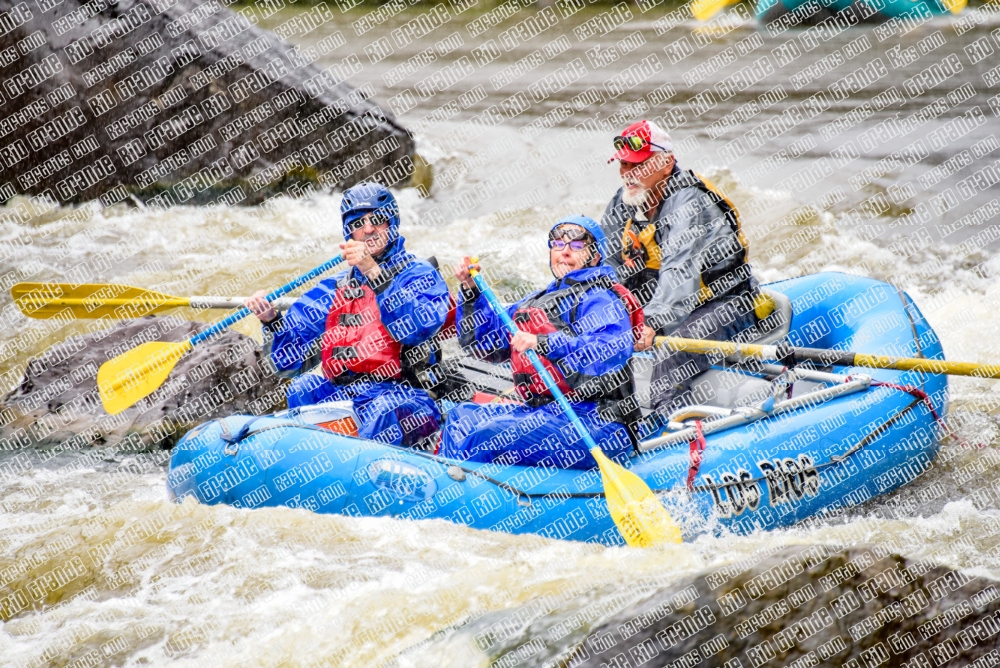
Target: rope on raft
520, 493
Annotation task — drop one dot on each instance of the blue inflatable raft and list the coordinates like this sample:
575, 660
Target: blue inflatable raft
780, 446
838, 14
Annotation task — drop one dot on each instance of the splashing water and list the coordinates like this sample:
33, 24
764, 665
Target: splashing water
97, 566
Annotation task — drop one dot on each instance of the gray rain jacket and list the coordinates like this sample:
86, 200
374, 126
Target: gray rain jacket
702, 252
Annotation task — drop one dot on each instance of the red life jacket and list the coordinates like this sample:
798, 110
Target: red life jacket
541, 320
449, 330
634, 308
355, 338
529, 384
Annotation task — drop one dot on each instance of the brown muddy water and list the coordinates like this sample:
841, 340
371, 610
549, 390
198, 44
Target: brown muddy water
146, 582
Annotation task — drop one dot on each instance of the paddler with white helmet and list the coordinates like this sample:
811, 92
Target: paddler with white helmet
370, 329
679, 248
583, 327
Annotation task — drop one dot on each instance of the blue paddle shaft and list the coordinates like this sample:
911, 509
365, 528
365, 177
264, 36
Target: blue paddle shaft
280, 292
535, 362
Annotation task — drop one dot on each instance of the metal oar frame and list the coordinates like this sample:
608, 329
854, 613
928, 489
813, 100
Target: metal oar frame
736, 417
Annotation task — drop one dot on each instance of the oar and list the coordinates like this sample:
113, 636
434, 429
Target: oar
827, 357
97, 300
703, 10
641, 518
135, 374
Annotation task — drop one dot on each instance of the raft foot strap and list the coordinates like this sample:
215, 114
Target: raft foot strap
697, 448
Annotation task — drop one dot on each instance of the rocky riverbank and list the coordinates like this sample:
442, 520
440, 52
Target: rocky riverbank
57, 407
180, 102
807, 606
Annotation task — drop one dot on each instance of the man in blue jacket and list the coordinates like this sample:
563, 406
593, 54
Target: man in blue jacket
370, 328
582, 327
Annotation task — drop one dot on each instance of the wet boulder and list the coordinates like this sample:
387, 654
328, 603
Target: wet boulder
57, 407
183, 101
808, 606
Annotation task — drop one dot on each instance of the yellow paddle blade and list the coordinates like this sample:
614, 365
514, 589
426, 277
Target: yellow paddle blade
955, 6
90, 300
703, 10
138, 373
641, 518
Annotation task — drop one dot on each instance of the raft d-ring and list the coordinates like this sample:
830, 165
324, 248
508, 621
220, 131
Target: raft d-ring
226, 437
233, 440
523, 499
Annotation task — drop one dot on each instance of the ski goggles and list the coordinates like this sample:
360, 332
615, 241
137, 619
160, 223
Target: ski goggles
377, 218
576, 239
634, 142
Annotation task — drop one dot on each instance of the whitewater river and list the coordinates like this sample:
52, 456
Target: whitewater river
164, 584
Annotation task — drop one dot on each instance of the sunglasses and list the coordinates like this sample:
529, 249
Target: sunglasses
578, 239
634, 142
559, 244
377, 219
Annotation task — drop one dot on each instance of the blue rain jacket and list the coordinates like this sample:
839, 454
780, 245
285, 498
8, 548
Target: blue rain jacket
603, 341
513, 433
388, 412
516, 433
413, 306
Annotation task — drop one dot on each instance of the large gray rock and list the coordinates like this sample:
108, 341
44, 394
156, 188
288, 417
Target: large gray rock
179, 101
808, 606
57, 407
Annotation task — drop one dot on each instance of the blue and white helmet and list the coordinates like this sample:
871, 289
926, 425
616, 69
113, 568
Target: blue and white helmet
365, 198
589, 224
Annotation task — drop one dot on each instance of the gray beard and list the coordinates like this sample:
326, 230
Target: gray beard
638, 201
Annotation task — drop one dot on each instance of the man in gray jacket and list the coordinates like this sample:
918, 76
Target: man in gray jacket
680, 250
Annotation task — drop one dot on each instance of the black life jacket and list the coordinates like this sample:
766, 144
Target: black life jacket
641, 254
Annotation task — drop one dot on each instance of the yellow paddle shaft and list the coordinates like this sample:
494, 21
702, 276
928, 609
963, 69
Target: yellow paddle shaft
827, 357
152, 302
59, 300
91, 302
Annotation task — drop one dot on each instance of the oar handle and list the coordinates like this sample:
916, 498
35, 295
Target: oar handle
828, 357
283, 290
543, 373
